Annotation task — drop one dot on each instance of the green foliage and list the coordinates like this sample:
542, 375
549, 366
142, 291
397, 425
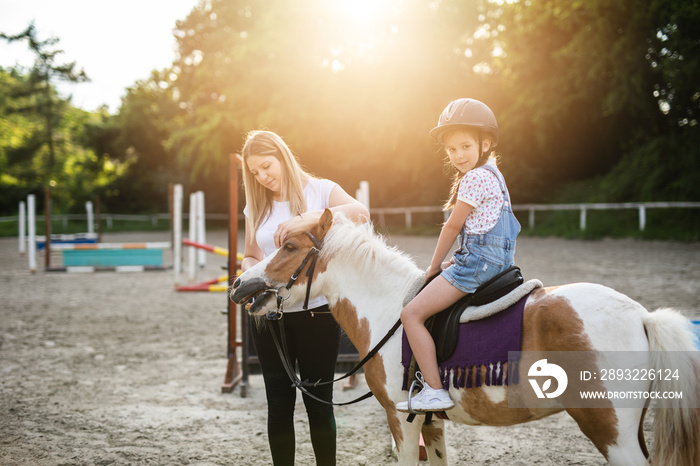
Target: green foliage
597, 101
355, 101
44, 141
79, 172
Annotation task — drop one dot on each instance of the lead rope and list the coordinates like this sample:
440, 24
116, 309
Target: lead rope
291, 372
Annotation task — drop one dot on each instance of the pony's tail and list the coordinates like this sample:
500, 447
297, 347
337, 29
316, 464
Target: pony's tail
677, 424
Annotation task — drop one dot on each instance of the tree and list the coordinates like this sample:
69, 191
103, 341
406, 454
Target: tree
589, 84
45, 141
354, 96
39, 84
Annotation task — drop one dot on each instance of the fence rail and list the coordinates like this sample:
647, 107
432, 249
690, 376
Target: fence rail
381, 213
110, 218
583, 208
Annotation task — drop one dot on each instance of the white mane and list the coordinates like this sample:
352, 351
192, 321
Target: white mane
368, 252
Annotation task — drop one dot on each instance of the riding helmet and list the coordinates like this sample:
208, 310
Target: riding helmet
467, 112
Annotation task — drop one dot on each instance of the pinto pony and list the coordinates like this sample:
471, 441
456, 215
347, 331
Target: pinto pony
367, 283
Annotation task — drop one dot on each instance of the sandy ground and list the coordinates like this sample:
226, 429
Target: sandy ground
106, 368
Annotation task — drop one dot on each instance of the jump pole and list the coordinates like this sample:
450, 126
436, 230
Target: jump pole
47, 227
90, 217
192, 253
177, 231
201, 228
31, 227
22, 228
234, 375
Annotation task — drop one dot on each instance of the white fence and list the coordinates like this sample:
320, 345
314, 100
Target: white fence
641, 207
381, 213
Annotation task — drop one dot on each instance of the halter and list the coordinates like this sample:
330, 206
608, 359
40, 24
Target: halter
311, 255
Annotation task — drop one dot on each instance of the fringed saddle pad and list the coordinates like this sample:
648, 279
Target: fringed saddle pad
481, 344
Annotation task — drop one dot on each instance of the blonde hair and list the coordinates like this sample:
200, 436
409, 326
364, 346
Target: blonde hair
294, 178
483, 158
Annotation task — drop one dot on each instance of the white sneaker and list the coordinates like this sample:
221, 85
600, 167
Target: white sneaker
428, 399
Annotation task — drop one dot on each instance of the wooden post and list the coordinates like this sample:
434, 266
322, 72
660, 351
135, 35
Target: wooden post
233, 368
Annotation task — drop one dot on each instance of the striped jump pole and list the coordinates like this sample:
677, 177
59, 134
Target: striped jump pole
116, 268
206, 247
215, 284
111, 246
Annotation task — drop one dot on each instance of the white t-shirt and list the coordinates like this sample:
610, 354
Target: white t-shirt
317, 194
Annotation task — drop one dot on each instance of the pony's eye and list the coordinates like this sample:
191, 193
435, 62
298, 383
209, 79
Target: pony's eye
289, 247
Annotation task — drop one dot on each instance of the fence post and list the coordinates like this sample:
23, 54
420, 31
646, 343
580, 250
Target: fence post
22, 226
408, 219
531, 218
201, 229
192, 253
31, 227
582, 219
177, 232
642, 218
90, 217
362, 193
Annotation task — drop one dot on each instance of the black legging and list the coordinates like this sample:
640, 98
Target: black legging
312, 342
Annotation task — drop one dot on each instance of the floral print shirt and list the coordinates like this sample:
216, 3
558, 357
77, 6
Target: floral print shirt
480, 188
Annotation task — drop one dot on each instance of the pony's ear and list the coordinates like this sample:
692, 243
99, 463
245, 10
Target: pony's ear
324, 224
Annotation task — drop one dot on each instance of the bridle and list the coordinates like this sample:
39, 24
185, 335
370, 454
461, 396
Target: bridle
311, 255
278, 314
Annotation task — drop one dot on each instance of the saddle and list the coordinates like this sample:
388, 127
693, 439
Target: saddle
444, 326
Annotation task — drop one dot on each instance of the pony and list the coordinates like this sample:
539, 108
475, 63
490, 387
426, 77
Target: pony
367, 284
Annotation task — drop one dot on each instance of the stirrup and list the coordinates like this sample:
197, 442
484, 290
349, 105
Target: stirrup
419, 379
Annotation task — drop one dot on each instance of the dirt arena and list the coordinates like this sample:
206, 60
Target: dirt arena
102, 369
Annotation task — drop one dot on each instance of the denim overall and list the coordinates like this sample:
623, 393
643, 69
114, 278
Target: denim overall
483, 256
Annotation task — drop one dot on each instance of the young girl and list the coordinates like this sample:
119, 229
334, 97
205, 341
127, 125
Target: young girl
482, 218
282, 198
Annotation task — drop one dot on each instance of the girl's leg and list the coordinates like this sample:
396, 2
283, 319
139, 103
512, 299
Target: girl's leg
435, 297
317, 341
281, 396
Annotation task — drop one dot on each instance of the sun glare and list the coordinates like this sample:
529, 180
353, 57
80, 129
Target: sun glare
360, 13
359, 28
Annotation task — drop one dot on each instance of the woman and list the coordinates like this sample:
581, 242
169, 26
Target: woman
281, 198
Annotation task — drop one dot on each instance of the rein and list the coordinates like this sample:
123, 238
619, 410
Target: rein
276, 315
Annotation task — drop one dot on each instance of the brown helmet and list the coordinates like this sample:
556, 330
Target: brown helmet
467, 112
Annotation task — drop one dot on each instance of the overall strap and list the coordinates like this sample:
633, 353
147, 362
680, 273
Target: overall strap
502, 182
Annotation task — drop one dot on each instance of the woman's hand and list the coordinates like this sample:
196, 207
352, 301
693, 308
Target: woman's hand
293, 225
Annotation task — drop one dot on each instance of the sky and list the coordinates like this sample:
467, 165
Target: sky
116, 42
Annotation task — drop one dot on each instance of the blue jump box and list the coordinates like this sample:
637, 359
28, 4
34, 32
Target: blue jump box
113, 257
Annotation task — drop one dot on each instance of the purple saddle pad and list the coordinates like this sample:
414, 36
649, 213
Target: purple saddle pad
481, 343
